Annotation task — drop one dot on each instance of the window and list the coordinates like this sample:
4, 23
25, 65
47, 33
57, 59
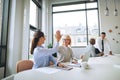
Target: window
35, 15
79, 20
4, 12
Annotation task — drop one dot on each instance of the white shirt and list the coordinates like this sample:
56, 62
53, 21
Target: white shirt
106, 45
91, 50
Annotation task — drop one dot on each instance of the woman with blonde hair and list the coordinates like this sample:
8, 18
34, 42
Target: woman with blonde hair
65, 53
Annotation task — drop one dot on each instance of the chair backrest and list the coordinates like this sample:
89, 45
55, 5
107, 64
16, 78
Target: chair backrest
23, 65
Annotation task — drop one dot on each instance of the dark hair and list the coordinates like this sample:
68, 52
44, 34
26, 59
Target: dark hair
92, 41
38, 34
103, 33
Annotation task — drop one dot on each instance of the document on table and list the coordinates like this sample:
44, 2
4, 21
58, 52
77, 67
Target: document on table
48, 70
65, 68
74, 65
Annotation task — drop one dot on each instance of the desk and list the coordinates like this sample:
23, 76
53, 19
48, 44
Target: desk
101, 68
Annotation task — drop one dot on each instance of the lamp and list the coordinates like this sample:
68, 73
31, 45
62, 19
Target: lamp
106, 9
115, 11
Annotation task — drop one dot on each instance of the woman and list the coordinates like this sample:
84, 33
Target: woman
65, 53
42, 56
91, 50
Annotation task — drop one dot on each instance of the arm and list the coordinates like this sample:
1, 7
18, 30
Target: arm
108, 46
73, 56
74, 59
60, 56
49, 51
52, 59
93, 51
55, 62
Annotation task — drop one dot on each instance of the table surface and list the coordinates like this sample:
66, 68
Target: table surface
101, 68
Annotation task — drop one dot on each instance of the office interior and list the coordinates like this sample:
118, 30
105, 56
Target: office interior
20, 18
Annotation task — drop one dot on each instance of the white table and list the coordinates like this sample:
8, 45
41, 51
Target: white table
101, 68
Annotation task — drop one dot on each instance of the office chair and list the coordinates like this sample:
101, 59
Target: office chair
23, 65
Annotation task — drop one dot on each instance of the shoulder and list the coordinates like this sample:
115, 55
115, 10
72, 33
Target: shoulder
90, 46
106, 39
69, 48
99, 38
61, 47
36, 50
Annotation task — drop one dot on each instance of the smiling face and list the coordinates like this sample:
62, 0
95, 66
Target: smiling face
103, 36
66, 40
41, 41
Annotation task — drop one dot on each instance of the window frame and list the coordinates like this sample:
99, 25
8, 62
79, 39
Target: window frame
4, 33
38, 3
86, 9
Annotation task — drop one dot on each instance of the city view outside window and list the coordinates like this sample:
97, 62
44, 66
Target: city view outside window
80, 21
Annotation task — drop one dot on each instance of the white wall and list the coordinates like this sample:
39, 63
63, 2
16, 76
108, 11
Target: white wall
109, 22
18, 35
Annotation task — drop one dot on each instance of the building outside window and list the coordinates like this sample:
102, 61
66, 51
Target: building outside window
79, 20
35, 9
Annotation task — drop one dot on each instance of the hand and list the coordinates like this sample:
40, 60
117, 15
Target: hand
110, 53
101, 54
75, 61
81, 56
51, 63
58, 35
61, 65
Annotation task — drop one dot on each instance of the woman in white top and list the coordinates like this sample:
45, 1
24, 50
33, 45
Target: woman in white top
92, 50
65, 53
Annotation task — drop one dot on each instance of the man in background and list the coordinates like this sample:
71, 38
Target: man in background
102, 44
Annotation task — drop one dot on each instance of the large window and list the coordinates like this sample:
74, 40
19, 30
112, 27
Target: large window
35, 18
79, 20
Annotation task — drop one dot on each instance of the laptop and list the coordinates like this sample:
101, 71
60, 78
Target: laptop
86, 57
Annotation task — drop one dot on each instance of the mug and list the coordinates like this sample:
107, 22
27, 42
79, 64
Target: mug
85, 65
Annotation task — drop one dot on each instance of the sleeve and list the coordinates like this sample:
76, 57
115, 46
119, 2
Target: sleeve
51, 58
98, 45
60, 56
90, 50
93, 51
49, 51
73, 56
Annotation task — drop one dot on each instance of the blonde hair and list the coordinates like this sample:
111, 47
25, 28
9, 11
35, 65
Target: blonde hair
67, 37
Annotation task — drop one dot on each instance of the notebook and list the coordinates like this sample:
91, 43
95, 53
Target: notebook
65, 68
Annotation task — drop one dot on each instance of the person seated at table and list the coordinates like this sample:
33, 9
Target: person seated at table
94, 52
42, 56
65, 53
103, 44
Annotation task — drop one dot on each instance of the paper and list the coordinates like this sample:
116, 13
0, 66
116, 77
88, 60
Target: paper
65, 68
74, 65
48, 70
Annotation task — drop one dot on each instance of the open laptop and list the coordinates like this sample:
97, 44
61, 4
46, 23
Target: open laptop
86, 57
